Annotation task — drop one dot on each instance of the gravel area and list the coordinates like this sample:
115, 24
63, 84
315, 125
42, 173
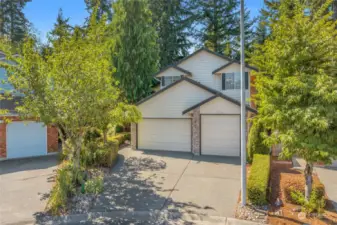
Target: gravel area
257, 214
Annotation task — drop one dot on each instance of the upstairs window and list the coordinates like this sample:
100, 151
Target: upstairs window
232, 81
167, 80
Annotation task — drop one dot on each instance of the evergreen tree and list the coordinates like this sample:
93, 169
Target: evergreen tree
103, 7
219, 26
172, 20
13, 23
297, 82
136, 48
62, 29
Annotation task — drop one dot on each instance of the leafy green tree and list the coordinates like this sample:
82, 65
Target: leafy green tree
72, 88
172, 20
136, 50
297, 84
13, 23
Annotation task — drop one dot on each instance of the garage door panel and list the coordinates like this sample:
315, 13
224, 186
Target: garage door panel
220, 135
26, 139
165, 134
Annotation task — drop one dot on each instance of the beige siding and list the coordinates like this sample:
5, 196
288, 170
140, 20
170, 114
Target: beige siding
219, 106
201, 66
170, 72
233, 68
173, 101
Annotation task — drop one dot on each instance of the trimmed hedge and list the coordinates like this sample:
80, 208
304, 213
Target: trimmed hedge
255, 141
258, 180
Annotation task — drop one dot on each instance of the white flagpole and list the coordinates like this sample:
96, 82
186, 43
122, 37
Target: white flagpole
243, 107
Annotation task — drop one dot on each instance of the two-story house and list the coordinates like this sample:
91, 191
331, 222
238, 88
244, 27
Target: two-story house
197, 108
21, 138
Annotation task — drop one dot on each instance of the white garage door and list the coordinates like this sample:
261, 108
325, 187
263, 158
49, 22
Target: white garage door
25, 139
220, 135
165, 134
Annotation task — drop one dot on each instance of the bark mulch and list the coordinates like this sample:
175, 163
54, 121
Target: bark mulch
281, 174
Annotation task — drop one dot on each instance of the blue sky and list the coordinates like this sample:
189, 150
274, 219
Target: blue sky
43, 13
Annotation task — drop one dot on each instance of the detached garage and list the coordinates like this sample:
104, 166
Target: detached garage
20, 139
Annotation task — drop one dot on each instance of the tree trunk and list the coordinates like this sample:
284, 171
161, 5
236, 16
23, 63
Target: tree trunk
105, 134
77, 152
308, 179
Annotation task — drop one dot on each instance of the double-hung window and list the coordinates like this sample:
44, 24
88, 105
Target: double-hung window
167, 80
232, 81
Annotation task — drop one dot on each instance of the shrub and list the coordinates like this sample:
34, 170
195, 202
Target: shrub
92, 135
258, 179
99, 154
316, 202
120, 138
95, 185
298, 185
63, 188
119, 129
255, 141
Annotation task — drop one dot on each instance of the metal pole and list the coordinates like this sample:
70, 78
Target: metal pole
243, 107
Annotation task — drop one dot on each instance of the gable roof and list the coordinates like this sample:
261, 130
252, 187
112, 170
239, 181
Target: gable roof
219, 94
174, 67
174, 84
216, 94
232, 62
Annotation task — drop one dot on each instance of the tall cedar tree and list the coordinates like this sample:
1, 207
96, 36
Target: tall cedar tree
219, 28
13, 23
297, 84
136, 50
172, 20
103, 7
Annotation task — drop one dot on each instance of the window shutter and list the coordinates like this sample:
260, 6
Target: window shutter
162, 81
246, 80
223, 81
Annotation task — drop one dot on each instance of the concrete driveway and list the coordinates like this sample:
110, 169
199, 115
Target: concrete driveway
24, 188
178, 182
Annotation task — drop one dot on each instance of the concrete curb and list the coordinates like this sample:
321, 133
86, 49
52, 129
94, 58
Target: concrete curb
143, 215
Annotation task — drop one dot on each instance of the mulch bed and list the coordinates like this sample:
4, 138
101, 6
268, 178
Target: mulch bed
281, 174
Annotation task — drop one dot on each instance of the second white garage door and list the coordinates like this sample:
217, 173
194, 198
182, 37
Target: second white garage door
220, 135
165, 134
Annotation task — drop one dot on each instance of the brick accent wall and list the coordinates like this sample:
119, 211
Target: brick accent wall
196, 148
133, 136
52, 139
3, 152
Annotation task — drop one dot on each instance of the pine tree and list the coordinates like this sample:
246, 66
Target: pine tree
13, 23
172, 19
136, 48
297, 82
104, 7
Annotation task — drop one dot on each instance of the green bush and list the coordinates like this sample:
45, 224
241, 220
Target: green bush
255, 141
64, 187
95, 185
99, 154
258, 179
120, 138
92, 135
119, 129
316, 202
